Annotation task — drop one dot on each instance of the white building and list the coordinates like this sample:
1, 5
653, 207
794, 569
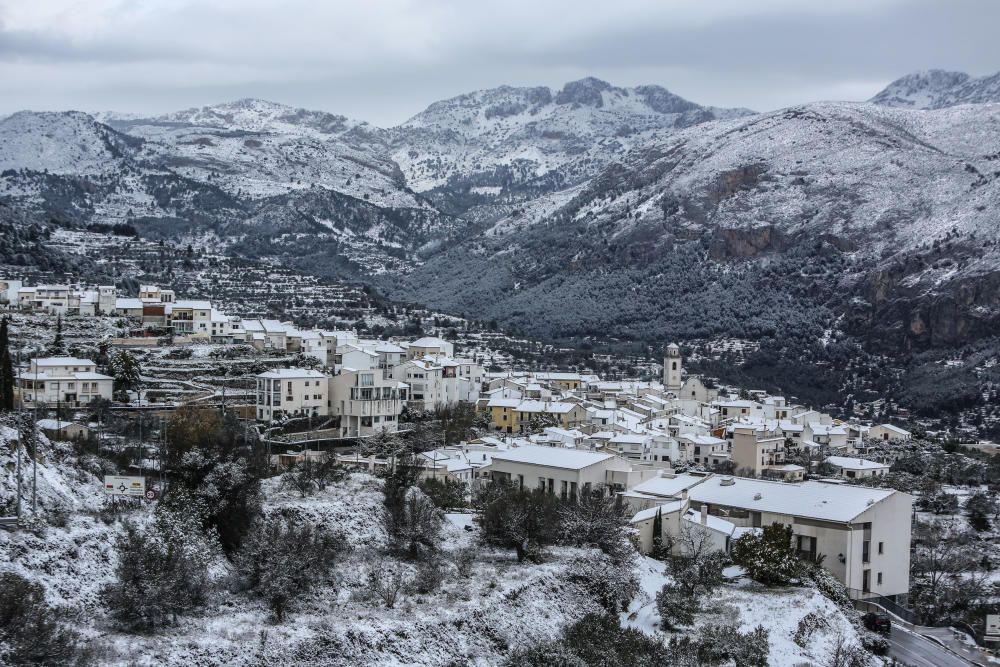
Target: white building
854, 468
366, 402
67, 381
292, 391
566, 472
889, 433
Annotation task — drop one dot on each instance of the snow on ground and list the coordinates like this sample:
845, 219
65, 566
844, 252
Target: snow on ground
749, 604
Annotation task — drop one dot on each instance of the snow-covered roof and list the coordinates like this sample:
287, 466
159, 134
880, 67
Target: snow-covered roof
291, 373
850, 463
122, 303
552, 457
63, 361
813, 500
649, 513
193, 304
429, 342
666, 486
895, 429
52, 424
715, 523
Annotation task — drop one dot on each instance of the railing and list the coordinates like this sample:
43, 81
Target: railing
885, 603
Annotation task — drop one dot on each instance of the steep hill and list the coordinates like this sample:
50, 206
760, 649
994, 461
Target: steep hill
742, 226
525, 141
937, 89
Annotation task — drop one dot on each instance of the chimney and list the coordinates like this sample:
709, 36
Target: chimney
704, 514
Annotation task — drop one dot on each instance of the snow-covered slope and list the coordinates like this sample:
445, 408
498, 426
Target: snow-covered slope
901, 202
936, 89
69, 142
256, 149
506, 136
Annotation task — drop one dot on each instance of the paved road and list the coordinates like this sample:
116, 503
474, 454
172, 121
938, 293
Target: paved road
916, 651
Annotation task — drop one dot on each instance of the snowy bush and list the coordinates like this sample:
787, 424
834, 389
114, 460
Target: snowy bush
280, 561
612, 584
718, 644
676, 606
519, 519
30, 630
162, 570
413, 523
597, 520
385, 581
768, 557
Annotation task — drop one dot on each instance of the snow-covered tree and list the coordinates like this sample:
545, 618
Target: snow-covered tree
768, 557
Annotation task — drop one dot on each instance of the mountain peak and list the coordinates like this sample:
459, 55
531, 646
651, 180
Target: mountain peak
586, 91
936, 89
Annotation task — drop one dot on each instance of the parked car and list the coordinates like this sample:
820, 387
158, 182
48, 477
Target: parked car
876, 622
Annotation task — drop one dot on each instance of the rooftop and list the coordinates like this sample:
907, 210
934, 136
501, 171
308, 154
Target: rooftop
815, 500
553, 457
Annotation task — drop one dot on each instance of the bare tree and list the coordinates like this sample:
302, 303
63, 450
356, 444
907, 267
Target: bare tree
385, 581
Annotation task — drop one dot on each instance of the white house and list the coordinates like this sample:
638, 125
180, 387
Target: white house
292, 391
62, 380
889, 433
862, 533
566, 472
366, 402
854, 468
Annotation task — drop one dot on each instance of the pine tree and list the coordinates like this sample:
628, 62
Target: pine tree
6, 370
658, 532
58, 346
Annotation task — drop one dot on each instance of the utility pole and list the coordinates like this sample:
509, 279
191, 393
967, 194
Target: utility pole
34, 447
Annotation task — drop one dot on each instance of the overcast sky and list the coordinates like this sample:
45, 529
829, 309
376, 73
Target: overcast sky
385, 60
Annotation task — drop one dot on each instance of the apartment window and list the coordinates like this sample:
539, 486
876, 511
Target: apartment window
866, 581
866, 551
878, 579
367, 380
881, 549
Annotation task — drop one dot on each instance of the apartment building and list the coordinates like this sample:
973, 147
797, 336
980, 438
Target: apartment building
292, 392
366, 402
66, 381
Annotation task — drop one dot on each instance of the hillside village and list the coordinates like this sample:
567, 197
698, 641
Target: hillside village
692, 467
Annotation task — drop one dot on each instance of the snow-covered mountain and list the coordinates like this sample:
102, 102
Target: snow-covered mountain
68, 142
884, 215
937, 89
494, 141
255, 149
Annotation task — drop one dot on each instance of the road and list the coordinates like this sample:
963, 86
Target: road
915, 651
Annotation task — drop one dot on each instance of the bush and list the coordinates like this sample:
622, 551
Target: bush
31, 632
718, 644
385, 581
768, 557
280, 561
413, 523
162, 571
523, 520
676, 606
611, 584
597, 520
448, 494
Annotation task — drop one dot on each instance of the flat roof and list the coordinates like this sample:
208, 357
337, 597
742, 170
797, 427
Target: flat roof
814, 500
852, 463
552, 457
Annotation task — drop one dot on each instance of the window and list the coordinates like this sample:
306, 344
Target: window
878, 579
673, 366
866, 581
866, 548
881, 550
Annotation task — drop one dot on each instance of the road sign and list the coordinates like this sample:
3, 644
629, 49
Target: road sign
119, 485
992, 628
150, 495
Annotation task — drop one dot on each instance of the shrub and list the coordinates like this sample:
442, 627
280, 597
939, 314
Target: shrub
676, 606
162, 571
718, 644
523, 520
385, 581
413, 523
31, 632
768, 557
280, 561
610, 583
597, 520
